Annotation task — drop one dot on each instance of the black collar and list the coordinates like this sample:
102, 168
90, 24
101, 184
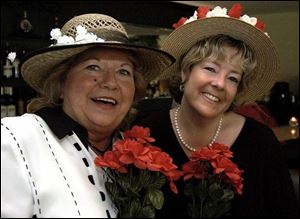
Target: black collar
61, 124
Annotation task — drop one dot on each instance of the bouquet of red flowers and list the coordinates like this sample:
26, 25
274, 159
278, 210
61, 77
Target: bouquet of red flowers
212, 179
136, 171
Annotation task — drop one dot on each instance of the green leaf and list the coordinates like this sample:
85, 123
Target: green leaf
134, 209
209, 210
156, 197
222, 208
193, 211
215, 192
158, 181
113, 190
143, 179
147, 212
228, 195
131, 209
153, 179
127, 185
201, 190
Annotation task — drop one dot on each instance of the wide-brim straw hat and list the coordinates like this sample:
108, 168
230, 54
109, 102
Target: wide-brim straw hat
265, 73
37, 65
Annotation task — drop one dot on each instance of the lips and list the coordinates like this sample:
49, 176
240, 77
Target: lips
105, 100
211, 97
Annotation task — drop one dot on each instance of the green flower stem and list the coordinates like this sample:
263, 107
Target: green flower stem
201, 203
201, 209
194, 204
144, 197
130, 174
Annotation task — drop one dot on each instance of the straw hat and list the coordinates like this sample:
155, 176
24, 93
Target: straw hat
81, 33
244, 28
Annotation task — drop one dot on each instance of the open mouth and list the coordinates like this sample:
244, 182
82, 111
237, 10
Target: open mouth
211, 97
105, 100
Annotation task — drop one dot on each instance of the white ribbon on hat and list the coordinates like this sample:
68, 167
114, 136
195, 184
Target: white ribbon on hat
222, 12
82, 36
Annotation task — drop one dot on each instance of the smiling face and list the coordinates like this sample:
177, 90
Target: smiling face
212, 84
214, 72
99, 90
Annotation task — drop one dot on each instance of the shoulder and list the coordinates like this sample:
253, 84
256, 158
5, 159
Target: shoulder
246, 124
25, 123
255, 137
24, 130
26, 119
254, 126
259, 137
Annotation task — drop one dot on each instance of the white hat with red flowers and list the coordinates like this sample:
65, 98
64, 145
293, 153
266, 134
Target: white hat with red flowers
208, 22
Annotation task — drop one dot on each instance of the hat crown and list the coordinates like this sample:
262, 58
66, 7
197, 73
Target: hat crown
103, 26
81, 33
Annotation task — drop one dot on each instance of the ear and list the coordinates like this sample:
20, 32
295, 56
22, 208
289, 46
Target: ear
62, 91
183, 77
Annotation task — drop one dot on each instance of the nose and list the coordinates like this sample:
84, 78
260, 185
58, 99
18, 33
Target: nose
219, 80
108, 80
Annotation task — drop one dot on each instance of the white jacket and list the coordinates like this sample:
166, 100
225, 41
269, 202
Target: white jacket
44, 176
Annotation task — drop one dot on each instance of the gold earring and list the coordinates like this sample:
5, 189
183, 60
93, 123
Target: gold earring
181, 87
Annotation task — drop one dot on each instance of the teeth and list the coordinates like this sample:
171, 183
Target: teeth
211, 97
106, 100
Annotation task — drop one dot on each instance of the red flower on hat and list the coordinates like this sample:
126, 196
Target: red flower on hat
260, 25
179, 23
236, 11
202, 11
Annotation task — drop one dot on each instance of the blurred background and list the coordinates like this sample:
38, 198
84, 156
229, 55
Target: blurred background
26, 26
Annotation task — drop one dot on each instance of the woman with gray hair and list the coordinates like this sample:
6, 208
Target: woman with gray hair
87, 81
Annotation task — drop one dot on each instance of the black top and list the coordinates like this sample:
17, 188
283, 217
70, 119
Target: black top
61, 124
268, 190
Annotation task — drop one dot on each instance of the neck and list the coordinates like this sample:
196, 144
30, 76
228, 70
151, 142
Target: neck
199, 133
101, 143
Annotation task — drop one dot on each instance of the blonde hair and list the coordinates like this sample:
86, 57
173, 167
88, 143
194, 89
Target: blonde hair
51, 92
214, 48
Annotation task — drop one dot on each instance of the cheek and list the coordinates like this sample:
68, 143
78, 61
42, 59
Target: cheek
232, 91
129, 92
194, 81
74, 86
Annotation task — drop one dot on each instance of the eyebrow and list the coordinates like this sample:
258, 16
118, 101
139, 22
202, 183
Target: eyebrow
129, 62
216, 62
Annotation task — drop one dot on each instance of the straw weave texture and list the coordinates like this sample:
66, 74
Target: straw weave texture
92, 22
264, 75
36, 66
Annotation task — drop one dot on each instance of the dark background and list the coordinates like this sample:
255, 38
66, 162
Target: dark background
41, 13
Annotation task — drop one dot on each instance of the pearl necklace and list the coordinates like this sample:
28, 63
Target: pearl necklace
214, 138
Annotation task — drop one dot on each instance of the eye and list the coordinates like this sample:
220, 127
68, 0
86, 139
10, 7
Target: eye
234, 79
93, 67
124, 72
210, 69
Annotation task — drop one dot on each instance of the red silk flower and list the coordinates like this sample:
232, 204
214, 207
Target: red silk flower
211, 181
136, 171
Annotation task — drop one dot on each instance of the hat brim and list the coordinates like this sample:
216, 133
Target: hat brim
37, 65
265, 73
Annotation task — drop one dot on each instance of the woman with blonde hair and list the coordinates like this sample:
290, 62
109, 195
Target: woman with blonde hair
224, 58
